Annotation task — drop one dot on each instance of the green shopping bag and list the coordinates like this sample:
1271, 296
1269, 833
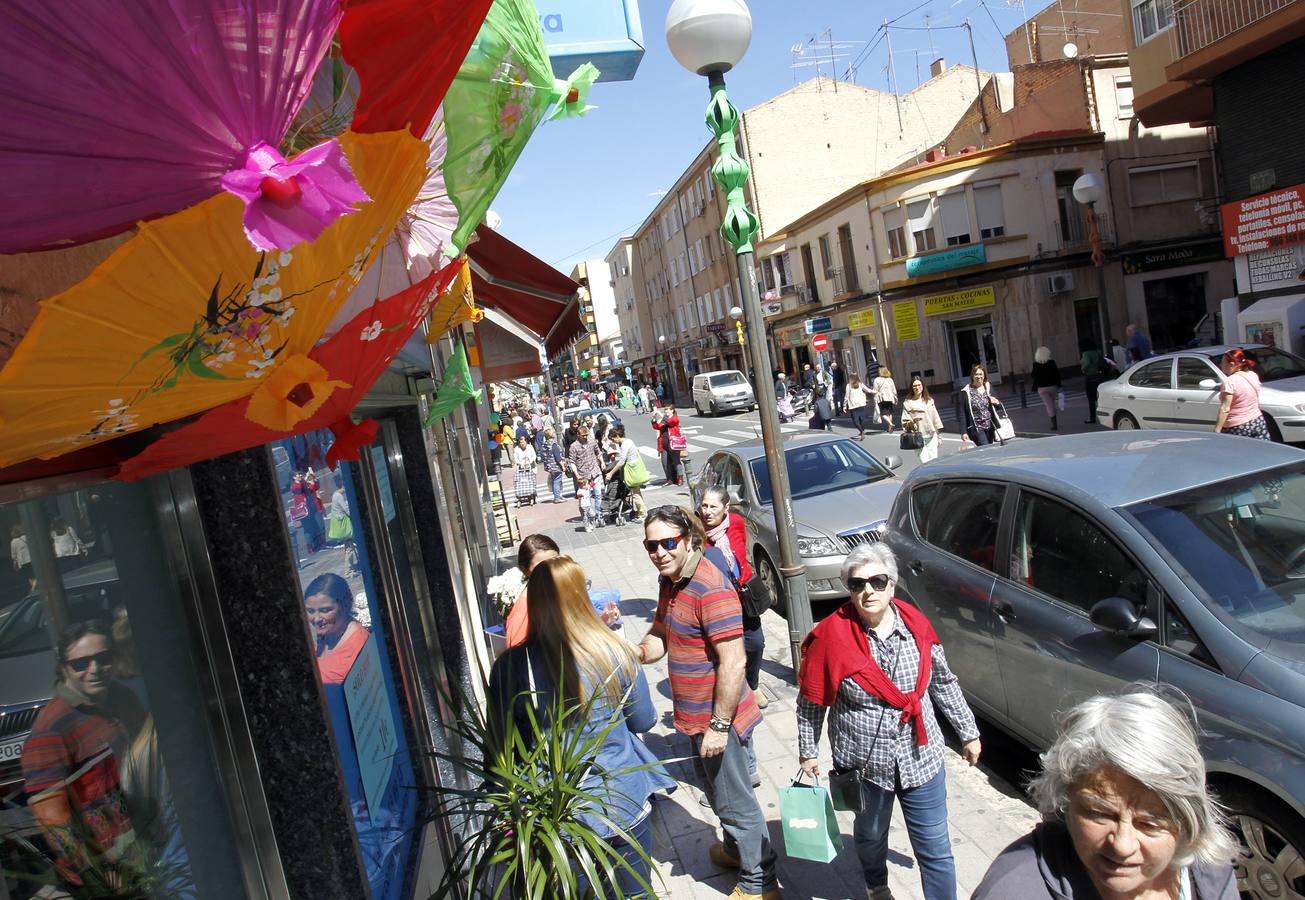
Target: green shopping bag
636, 474
810, 826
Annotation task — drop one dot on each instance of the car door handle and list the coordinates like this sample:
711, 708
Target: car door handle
1182, 399
1005, 611
916, 567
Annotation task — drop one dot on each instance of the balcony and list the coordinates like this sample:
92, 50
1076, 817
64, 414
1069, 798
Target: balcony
1071, 234
1200, 23
788, 289
844, 281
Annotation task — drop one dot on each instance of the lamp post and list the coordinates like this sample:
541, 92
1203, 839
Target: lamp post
1088, 191
709, 37
736, 313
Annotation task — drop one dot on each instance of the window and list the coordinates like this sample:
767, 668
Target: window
1153, 375
920, 216
1063, 554
1149, 185
1150, 17
825, 261
988, 210
729, 297
702, 309
961, 519
1191, 372
768, 273
783, 269
955, 214
721, 309
1180, 637
1124, 95
896, 229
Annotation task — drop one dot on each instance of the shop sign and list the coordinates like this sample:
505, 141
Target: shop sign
604, 32
1270, 220
793, 336
817, 325
1171, 257
837, 334
862, 320
959, 301
906, 321
953, 258
1276, 268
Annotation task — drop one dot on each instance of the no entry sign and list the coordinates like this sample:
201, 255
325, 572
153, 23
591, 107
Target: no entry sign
820, 343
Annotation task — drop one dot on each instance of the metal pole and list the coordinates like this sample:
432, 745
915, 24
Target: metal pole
892, 74
1099, 260
740, 225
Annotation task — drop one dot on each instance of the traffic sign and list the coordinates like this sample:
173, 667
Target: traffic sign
820, 343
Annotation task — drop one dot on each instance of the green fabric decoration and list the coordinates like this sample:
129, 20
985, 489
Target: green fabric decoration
572, 95
498, 98
456, 388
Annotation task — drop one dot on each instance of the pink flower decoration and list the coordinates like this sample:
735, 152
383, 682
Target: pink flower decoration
288, 202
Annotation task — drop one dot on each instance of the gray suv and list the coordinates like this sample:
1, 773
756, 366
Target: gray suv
1071, 566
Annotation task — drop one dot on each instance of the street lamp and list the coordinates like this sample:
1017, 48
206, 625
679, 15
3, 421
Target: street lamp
736, 313
709, 37
1088, 190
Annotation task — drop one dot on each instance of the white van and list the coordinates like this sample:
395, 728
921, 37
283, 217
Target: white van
724, 390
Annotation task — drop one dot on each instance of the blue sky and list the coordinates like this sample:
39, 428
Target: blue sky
582, 183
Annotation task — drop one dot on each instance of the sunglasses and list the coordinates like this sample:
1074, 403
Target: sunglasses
876, 582
667, 544
82, 663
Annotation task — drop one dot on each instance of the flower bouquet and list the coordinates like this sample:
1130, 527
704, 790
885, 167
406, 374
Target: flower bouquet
505, 588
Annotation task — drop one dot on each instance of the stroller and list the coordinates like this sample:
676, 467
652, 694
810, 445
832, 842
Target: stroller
618, 503
785, 407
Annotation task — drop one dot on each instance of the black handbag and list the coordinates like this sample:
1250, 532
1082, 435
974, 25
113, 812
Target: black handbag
845, 790
911, 440
754, 596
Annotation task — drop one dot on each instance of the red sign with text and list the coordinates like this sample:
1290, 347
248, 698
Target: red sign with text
820, 343
1264, 222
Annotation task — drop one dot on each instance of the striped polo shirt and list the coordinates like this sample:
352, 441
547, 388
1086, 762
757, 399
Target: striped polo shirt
695, 613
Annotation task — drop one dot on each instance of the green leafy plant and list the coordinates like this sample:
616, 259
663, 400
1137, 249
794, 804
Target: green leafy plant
529, 839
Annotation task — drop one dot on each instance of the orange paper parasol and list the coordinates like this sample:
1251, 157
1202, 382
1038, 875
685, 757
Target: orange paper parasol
187, 315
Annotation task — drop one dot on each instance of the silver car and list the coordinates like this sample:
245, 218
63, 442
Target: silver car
1058, 569
1181, 390
841, 498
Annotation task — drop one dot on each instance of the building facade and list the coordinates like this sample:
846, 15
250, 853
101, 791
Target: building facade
631, 324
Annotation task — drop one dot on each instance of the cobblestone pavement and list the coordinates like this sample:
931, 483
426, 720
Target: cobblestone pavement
985, 813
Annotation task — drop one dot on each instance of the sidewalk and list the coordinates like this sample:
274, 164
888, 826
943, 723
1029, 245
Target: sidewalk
984, 812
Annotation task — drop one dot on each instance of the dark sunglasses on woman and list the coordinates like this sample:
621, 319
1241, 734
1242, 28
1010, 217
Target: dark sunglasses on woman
876, 582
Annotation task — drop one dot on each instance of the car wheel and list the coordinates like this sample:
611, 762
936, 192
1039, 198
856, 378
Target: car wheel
770, 578
715, 410
1272, 841
1125, 422
1275, 433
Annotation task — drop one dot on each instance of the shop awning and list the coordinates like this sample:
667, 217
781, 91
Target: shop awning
525, 288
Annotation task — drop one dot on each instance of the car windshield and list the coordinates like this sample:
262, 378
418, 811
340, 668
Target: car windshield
1241, 543
816, 469
1271, 364
726, 379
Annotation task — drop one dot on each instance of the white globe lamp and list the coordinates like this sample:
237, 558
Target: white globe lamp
708, 36
736, 313
1088, 189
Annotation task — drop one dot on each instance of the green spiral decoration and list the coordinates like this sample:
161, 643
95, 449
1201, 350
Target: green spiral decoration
731, 172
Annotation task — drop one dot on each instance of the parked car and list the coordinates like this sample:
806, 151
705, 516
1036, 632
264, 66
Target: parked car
841, 498
725, 390
612, 414
1181, 390
1071, 566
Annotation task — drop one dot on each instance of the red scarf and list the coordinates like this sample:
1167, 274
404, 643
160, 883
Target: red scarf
838, 648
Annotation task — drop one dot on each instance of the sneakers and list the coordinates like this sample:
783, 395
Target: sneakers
740, 894
724, 859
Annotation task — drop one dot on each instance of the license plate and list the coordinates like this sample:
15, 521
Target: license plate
12, 751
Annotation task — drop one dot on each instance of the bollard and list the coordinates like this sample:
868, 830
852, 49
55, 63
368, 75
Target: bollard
1024, 391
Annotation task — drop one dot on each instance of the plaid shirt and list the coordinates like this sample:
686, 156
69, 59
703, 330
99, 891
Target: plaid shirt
868, 734
584, 459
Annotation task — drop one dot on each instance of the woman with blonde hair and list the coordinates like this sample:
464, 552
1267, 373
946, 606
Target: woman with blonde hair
885, 391
600, 678
1046, 378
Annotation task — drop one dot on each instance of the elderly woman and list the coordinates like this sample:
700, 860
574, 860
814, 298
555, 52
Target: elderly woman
878, 663
1125, 811
727, 530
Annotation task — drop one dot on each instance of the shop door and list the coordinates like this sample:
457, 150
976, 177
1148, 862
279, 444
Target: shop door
1174, 309
973, 343
1087, 322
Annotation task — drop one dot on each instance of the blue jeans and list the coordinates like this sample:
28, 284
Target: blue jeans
555, 482
627, 885
735, 804
925, 810
754, 646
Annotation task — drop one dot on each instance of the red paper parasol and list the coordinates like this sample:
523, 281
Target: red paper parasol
357, 355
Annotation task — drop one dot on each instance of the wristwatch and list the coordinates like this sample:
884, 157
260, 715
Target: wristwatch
719, 725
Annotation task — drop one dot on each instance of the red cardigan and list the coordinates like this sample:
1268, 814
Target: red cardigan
738, 537
665, 427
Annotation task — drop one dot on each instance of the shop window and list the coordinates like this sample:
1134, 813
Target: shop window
955, 214
107, 773
988, 210
1149, 185
342, 607
920, 216
896, 229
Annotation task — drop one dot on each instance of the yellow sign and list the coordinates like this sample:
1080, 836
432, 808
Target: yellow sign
861, 321
956, 301
906, 320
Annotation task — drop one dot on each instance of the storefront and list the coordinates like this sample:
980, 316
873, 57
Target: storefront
792, 350
1173, 293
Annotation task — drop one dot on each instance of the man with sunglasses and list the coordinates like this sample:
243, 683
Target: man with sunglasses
699, 627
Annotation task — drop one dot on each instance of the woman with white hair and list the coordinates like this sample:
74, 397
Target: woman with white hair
878, 663
1125, 813
1046, 378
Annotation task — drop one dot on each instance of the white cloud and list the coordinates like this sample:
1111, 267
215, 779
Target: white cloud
661, 192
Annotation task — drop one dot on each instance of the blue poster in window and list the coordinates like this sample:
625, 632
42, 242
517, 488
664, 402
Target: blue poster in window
374, 738
383, 482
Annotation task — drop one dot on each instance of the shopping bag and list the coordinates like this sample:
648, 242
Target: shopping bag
679, 442
1005, 428
1060, 400
875, 416
810, 826
341, 528
636, 473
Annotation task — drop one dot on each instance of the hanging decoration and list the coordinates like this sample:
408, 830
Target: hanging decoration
456, 388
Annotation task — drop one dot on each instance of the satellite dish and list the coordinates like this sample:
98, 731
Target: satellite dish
1070, 50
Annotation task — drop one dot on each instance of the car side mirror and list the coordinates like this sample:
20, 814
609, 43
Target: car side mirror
1120, 617
893, 462
1208, 384
734, 497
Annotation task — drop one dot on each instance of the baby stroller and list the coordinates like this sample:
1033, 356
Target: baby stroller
590, 496
618, 503
785, 407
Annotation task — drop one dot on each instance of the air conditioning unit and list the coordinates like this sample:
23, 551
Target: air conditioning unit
1060, 282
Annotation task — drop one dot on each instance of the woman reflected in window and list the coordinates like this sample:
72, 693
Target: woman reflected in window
328, 602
